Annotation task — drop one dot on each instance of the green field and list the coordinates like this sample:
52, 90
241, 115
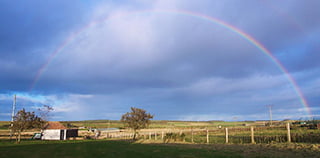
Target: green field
154, 124
104, 148
118, 149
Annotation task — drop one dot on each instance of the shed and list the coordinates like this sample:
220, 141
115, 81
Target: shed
57, 131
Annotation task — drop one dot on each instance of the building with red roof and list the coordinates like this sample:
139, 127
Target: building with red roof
57, 131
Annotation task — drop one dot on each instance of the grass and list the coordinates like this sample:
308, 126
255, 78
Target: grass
140, 149
4, 124
103, 148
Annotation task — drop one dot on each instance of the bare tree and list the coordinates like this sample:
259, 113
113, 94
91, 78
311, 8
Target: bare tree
136, 119
25, 120
44, 113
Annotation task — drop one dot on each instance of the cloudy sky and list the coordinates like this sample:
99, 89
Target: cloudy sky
177, 59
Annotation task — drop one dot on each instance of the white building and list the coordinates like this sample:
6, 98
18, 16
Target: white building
56, 131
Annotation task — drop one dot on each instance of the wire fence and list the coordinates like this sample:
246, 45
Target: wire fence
279, 134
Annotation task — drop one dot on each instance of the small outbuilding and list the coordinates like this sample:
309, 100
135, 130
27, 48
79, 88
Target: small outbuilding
57, 131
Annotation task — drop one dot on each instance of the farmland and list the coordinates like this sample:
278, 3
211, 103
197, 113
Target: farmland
172, 139
154, 124
196, 131
214, 131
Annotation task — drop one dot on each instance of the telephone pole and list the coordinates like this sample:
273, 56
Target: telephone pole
270, 113
13, 113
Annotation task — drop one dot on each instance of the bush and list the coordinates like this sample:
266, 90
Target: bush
173, 137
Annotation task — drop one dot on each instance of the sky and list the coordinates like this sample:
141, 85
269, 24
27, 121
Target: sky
194, 60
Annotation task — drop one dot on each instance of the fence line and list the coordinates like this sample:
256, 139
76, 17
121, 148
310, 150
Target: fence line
226, 135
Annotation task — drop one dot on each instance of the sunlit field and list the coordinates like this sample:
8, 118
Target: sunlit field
117, 148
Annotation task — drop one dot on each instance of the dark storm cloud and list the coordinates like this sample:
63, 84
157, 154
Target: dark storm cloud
29, 31
276, 24
302, 58
159, 61
174, 56
29, 23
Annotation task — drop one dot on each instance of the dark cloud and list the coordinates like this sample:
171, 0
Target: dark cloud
31, 24
177, 56
159, 60
29, 31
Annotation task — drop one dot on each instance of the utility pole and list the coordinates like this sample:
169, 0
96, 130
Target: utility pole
270, 113
13, 113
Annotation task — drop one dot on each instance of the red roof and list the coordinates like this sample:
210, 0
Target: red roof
55, 125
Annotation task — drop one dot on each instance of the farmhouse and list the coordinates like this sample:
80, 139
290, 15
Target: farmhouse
57, 131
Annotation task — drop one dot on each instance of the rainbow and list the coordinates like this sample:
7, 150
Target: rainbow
207, 18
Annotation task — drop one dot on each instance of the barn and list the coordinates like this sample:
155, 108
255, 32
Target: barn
57, 131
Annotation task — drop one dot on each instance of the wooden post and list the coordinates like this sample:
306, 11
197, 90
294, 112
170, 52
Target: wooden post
155, 136
252, 135
227, 138
288, 134
150, 135
144, 136
162, 135
192, 135
207, 136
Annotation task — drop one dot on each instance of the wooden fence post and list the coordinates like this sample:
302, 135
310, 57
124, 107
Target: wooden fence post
227, 137
155, 136
207, 136
150, 135
162, 135
192, 135
252, 135
288, 132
